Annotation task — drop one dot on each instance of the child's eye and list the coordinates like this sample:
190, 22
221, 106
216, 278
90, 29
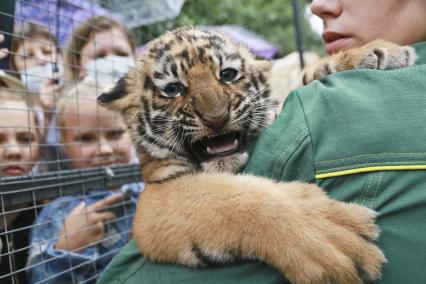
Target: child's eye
100, 55
114, 134
26, 138
121, 53
86, 138
29, 54
46, 51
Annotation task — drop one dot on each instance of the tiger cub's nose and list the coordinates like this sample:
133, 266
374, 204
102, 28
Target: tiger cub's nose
215, 122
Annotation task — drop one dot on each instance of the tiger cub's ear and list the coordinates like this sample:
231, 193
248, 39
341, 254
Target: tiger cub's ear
115, 97
264, 65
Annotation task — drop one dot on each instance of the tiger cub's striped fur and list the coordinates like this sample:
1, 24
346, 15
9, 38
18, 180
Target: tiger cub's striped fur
193, 103
190, 85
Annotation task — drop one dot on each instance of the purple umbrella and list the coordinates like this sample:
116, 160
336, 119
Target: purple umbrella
253, 41
240, 35
60, 16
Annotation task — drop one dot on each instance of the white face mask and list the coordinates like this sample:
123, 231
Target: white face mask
108, 69
35, 76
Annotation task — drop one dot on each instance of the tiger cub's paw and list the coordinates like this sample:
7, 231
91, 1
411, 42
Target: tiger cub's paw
378, 55
375, 55
336, 247
318, 71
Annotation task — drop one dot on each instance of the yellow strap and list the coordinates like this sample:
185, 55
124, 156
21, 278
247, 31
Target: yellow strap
370, 169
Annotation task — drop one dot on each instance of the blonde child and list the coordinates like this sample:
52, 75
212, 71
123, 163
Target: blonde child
77, 236
19, 152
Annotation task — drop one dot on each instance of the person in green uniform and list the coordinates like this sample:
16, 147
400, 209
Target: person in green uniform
359, 134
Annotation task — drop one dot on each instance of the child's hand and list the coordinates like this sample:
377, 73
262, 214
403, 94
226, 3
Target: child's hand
4, 52
84, 226
49, 92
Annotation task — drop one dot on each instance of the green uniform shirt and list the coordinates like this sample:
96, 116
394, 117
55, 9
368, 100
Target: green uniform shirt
361, 135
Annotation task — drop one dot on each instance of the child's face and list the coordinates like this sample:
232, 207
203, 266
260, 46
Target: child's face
34, 52
19, 142
93, 136
102, 44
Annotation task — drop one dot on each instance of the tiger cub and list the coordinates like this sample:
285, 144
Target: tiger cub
193, 104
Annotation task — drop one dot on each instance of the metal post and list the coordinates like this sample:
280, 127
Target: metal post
298, 31
7, 8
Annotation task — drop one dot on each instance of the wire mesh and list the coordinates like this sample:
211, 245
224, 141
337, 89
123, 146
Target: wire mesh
69, 178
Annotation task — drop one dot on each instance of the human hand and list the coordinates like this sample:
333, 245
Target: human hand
84, 224
49, 92
4, 52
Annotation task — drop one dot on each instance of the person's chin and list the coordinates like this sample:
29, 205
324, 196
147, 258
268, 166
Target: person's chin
340, 44
103, 164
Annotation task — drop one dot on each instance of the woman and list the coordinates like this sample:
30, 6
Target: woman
349, 24
359, 134
100, 49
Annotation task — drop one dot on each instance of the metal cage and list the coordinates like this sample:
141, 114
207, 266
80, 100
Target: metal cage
69, 176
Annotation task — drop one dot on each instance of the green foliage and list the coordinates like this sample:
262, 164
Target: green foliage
272, 19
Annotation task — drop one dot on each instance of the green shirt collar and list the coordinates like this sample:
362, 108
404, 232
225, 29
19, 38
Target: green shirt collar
421, 52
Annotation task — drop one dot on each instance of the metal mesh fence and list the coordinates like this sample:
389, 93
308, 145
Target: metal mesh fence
69, 179
69, 176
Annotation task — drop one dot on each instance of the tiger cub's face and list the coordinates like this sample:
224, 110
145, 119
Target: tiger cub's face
194, 95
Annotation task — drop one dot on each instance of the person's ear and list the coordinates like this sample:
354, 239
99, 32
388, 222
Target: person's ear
115, 97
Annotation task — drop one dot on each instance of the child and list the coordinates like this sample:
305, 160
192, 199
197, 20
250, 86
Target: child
36, 60
19, 152
100, 49
75, 237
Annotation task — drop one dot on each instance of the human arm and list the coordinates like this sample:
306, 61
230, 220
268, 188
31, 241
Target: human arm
84, 224
46, 259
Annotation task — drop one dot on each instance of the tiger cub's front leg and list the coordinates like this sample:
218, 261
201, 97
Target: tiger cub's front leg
378, 54
310, 238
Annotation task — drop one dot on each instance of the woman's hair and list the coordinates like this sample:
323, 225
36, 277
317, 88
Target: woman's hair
29, 31
82, 34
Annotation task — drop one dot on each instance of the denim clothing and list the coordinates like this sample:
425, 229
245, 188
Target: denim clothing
60, 266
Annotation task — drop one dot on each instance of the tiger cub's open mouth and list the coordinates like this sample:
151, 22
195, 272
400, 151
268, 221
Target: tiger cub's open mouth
219, 145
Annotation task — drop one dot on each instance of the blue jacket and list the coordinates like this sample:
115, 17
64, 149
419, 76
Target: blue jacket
60, 266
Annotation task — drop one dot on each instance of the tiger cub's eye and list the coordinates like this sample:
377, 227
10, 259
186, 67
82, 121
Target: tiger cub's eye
228, 75
173, 90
